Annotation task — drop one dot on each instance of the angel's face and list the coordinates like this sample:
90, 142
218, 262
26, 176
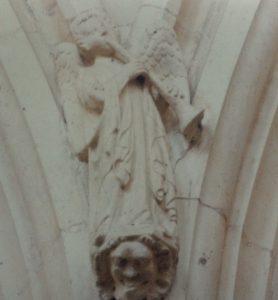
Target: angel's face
88, 35
88, 27
132, 266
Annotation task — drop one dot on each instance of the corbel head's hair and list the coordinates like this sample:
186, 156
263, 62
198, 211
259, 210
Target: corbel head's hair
93, 22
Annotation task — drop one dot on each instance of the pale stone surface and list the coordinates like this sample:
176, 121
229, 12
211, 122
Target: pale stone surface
108, 91
225, 184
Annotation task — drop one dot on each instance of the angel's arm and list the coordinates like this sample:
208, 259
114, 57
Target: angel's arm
120, 53
93, 45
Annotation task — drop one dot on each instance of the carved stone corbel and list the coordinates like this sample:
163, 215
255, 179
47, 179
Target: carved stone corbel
108, 95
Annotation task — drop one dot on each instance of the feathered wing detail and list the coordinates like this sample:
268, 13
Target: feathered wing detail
80, 124
161, 56
67, 63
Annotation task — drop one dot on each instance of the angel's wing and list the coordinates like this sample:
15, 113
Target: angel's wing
162, 57
80, 124
161, 53
67, 62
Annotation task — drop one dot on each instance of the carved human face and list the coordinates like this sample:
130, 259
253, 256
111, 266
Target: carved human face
133, 268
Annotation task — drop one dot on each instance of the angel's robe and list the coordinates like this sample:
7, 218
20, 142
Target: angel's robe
132, 186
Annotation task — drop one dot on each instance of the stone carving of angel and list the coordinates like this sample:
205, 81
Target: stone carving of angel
108, 95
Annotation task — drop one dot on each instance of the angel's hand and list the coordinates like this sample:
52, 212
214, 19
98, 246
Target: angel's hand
120, 53
137, 68
84, 45
131, 71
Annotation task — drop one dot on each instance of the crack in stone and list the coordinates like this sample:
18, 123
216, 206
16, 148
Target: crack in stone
248, 243
219, 211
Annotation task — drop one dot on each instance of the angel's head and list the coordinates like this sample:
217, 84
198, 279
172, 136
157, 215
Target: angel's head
92, 23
